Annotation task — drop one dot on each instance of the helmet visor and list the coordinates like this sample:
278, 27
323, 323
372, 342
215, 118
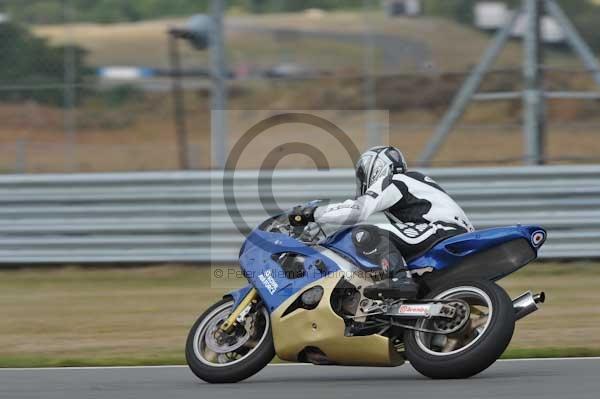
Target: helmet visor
362, 172
380, 168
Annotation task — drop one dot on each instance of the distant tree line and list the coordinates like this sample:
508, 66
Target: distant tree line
584, 13
106, 11
35, 69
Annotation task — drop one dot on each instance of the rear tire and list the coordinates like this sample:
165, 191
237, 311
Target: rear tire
248, 365
477, 354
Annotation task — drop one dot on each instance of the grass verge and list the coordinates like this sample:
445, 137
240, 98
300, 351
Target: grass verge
22, 362
140, 316
530, 353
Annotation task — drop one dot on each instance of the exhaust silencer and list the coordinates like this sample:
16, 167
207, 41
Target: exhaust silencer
527, 303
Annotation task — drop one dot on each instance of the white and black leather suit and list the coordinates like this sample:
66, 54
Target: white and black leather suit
419, 211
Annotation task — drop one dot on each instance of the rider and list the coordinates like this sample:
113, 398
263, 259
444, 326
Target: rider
420, 213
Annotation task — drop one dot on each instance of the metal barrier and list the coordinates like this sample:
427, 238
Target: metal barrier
184, 216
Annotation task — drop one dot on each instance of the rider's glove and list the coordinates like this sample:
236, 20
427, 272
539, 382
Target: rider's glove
300, 216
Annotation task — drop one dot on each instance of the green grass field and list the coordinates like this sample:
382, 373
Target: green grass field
74, 316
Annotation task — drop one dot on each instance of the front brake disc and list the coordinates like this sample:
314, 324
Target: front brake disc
220, 342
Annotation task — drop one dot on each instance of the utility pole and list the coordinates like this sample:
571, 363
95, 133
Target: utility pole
70, 89
534, 118
219, 89
369, 93
178, 102
199, 32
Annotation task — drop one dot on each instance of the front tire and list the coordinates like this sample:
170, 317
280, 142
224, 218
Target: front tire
243, 354
473, 348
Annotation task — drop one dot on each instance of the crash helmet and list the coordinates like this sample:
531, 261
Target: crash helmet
375, 163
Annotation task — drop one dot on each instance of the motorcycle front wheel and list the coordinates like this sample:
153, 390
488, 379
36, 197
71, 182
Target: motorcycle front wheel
473, 348
216, 357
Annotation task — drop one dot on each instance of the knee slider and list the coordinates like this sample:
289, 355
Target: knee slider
366, 239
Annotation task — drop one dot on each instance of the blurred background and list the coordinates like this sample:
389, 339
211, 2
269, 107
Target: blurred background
500, 98
87, 86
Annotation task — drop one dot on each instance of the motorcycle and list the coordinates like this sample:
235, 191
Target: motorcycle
305, 303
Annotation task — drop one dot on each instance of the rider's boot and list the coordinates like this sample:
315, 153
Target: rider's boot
375, 244
399, 286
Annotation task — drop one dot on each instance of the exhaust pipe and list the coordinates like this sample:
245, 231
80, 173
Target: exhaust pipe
527, 303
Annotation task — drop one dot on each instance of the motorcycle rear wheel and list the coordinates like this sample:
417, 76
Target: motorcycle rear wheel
236, 358
473, 348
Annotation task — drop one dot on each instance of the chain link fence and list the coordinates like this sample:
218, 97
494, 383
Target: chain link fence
79, 95
92, 91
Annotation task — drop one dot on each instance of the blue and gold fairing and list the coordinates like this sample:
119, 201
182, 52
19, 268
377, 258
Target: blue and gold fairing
257, 260
260, 250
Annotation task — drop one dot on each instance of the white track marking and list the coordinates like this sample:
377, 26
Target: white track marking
92, 368
178, 366
535, 359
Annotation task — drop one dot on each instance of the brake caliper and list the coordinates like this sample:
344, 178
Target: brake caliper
460, 315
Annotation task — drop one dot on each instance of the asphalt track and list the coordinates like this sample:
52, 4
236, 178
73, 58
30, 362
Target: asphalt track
548, 379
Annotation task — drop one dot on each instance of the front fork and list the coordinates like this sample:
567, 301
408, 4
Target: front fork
234, 318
